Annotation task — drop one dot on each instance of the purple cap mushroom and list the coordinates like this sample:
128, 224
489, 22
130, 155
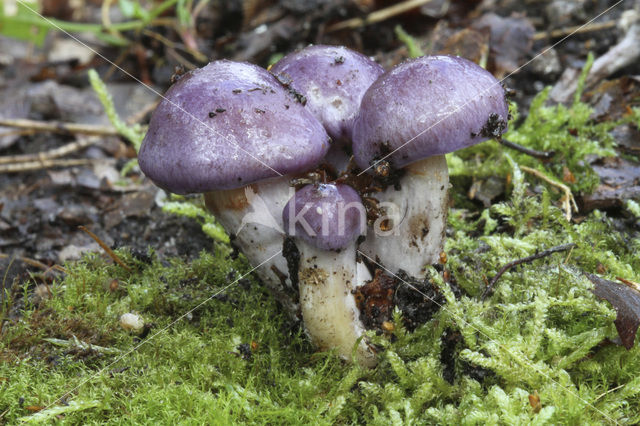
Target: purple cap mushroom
409, 118
329, 217
325, 221
227, 125
232, 131
332, 79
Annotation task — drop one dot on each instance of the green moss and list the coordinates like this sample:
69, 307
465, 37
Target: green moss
567, 131
542, 330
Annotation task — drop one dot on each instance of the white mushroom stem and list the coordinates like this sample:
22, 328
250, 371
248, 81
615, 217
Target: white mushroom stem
253, 215
417, 214
327, 280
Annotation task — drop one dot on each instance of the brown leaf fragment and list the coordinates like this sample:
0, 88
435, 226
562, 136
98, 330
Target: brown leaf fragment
486, 190
567, 175
619, 181
626, 301
511, 40
469, 43
613, 99
627, 138
534, 401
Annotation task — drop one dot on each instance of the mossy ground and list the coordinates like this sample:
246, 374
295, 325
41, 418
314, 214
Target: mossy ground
542, 332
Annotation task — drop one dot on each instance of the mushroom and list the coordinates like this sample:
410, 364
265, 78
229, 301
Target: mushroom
332, 80
233, 132
326, 220
408, 119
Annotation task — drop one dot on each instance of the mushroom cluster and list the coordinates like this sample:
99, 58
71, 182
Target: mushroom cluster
320, 163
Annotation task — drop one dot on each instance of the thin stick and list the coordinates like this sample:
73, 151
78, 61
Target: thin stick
17, 132
578, 29
35, 263
45, 164
378, 15
545, 155
59, 127
632, 284
609, 391
489, 289
51, 154
569, 203
171, 45
139, 115
106, 248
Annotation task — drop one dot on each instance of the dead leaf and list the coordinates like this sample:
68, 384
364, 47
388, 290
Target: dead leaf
534, 401
486, 190
626, 301
469, 43
619, 181
627, 138
511, 40
613, 99
567, 176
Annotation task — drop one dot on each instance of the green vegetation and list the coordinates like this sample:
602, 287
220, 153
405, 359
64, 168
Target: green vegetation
219, 351
542, 331
413, 47
133, 134
26, 23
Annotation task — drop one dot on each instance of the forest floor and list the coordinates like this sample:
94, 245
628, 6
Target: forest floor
552, 344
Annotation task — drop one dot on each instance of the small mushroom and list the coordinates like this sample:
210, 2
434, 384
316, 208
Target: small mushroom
232, 131
409, 118
332, 79
326, 220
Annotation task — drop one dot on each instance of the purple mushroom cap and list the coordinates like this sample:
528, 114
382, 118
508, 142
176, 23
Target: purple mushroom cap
333, 80
334, 214
227, 125
428, 106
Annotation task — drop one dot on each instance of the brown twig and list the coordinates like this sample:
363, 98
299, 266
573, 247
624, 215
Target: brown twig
569, 203
489, 289
545, 155
59, 127
379, 15
578, 29
632, 284
199, 56
139, 115
17, 132
187, 64
106, 248
45, 164
51, 154
35, 263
